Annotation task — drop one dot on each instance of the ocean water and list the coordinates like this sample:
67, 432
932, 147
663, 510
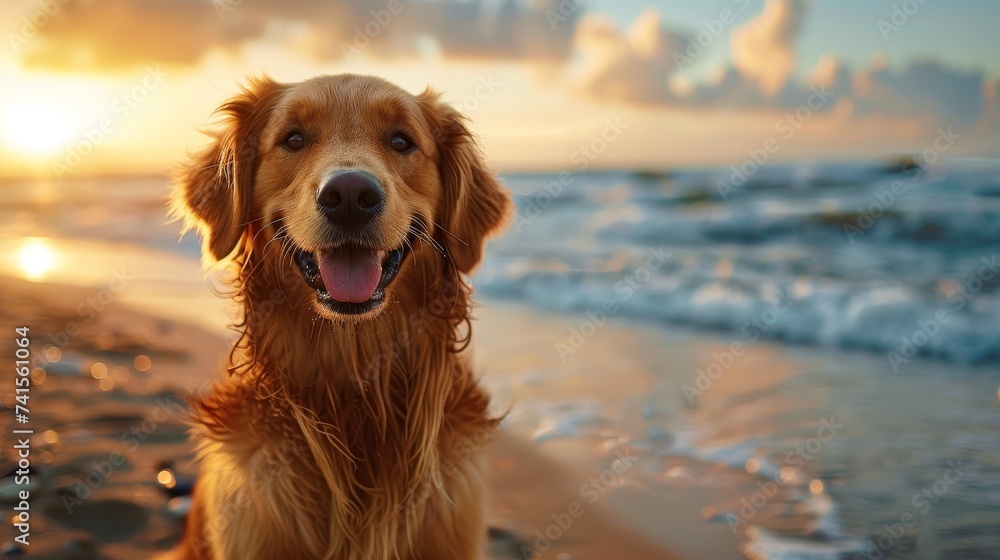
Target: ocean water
881, 283
870, 257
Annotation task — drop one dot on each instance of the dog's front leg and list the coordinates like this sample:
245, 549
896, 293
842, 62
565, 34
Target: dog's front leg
454, 526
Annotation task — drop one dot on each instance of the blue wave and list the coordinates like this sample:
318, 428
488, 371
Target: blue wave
900, 260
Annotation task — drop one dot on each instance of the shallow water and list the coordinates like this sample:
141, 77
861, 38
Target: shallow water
891, 465
811, 453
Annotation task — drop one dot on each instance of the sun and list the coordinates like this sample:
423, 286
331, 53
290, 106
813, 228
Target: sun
35, 258
38, 126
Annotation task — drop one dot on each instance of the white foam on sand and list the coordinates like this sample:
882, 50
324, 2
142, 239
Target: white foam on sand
831, 541
769, 546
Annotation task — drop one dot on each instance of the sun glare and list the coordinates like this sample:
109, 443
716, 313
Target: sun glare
38, 127
36, 258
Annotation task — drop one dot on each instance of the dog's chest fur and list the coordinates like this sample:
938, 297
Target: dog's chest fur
338, 472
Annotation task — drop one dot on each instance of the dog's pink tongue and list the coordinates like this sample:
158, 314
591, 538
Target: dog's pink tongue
351, 274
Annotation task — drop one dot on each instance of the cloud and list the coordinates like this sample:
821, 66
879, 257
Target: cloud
991, 98
118, 34
763, 49
632, 67
921, 90
832, 75
729, 88
125, 33
469, 30
926, 91
638, 66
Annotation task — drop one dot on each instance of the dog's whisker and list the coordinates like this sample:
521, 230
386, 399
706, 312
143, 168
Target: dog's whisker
419, 232
442, 228
277, 236
262, 228
423, 236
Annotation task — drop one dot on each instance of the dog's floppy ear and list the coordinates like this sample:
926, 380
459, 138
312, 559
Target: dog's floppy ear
474, 205
212, 192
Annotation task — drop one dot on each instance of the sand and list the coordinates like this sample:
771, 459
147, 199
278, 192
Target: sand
548, 494
542, 465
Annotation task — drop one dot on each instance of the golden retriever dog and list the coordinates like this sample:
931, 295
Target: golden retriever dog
350, 423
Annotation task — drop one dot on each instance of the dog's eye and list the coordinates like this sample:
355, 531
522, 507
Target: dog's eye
401, 143
295, 141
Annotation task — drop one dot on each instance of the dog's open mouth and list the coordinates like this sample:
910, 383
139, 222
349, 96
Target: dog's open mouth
351, 279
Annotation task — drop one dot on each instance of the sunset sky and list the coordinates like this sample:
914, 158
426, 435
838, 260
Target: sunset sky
122, 86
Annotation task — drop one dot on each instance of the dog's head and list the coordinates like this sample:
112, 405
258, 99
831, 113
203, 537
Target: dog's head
348, 179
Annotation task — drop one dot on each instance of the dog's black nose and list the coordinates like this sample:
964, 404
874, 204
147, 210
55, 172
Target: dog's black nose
351, 199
